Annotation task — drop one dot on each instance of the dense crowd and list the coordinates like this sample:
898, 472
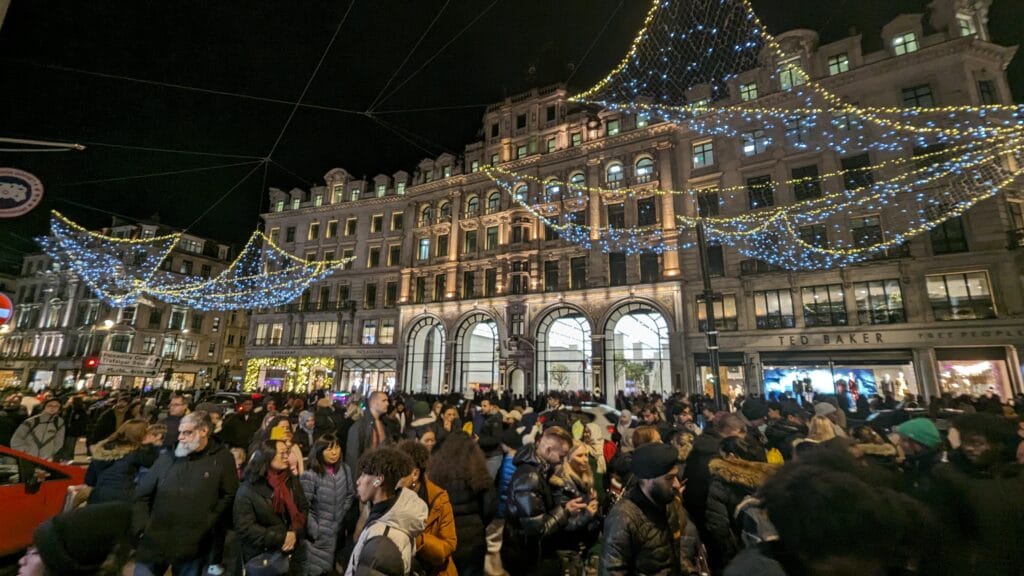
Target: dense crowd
423, 485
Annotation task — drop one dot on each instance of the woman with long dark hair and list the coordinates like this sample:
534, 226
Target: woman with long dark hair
448, 424
270, 508
330, 490
437, 543
459, 467
116, 462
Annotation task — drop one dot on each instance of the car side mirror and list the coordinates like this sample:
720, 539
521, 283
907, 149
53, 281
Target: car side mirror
33, 482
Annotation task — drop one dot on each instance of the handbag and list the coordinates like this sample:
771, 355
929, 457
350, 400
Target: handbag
267, 564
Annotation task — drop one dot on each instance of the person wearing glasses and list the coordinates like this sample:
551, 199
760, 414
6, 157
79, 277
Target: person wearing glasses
183, 501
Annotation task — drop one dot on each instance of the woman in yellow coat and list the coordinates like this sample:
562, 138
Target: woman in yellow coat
435, 546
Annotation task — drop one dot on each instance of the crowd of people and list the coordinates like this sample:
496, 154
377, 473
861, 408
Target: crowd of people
490, 485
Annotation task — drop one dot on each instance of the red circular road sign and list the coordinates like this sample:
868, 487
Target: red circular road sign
6, 309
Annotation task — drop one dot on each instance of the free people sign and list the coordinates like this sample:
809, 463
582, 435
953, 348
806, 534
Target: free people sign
122, 364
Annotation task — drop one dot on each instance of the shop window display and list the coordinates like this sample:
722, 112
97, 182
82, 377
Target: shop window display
851, 381
974, 377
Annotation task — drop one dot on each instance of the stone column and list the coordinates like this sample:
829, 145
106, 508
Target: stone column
926, 370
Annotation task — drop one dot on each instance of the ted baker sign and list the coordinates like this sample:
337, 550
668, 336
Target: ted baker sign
830, 339
899, 337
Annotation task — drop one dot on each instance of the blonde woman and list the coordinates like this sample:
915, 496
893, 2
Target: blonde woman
575, 479
820, 429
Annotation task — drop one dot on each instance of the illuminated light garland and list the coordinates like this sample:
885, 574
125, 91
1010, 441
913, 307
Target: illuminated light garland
120, 271
299, 371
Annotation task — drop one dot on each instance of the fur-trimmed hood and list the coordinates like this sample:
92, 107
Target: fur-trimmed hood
886, 450
743, 472
112, 450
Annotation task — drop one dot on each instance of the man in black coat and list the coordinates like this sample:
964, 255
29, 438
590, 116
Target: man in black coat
175, 412
240, 426
490, 435
109, 420
182, 500
532, 513
642, 530
368, 432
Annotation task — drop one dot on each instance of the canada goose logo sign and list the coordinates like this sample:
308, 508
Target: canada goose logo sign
20, 192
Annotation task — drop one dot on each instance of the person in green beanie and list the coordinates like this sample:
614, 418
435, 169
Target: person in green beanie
920, 442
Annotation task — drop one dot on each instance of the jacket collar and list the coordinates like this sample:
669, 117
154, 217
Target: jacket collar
743, 472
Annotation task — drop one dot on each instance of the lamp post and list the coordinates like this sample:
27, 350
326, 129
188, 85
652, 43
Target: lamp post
711, 331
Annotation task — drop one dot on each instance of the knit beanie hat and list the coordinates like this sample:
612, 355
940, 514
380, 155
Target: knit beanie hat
824, 409
79, 541
654, 460
922, 431
420, 409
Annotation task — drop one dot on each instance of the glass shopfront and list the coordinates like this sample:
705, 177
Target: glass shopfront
9, 378
731, 375
974, 371
367, 375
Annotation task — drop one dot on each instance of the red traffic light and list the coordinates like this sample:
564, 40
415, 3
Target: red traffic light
91, 363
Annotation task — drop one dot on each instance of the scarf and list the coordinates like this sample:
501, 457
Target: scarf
283, 499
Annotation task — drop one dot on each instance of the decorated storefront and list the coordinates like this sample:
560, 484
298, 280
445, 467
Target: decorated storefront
289, 374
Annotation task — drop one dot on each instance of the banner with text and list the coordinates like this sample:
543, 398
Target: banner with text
122, 364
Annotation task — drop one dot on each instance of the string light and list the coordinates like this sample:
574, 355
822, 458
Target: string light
299, 372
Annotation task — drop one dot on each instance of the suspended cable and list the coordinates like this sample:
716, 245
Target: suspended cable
412, 51
29, 150
594, 43
155, 174
173, 151
282, 167
399, 134
225, 195
431, 109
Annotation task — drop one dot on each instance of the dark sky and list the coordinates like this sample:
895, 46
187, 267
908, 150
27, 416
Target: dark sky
269, 49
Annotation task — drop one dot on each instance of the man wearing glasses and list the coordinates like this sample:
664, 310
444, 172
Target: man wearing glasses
182, 501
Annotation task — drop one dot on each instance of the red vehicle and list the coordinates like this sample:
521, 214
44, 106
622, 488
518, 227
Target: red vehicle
31, 491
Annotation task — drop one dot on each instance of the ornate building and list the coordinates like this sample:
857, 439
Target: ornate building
482, 294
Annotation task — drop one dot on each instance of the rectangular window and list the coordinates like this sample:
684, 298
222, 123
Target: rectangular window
824, 305
369, 332
725, 313
275, 235
790, 74
760, 191
707, 203
439, 287
495, 130
196, 322
521, 151
377, 223
879, 302
205, 270
424, 253
949, 237
395, 255
369, 297
177, 321
616, 268
857, 172
354, 194
332, 229
716, 259
650, 267
806, 184
400, 188
918, 96
387, 332
612, 127
474, 166
549, 113
495, 159
490, 282
838, 64
748, 91
576, 138
866, 231
420, 290
904, 43
703, 154
339, 193
798, 130
491, 239
373, 260
321, 334
396, 221
314, 231
755, 142
343, 293
149, 345
350, 227
390, 294
578, 273
987, 92
520, 121
552, 144
813, 235
382, 189
773, 309
845, 121
295, 203
346, 255
442, 245
960, 296
469, 242
551, 275
289, 234
965, 24
550, 228
616, 216
279, 206
468, 284
642, 120
646, 212
310, 256
318, 200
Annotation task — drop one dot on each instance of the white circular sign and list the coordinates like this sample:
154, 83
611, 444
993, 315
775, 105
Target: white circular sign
20, 192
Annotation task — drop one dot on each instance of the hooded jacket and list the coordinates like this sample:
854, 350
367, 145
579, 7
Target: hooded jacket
330, 496
732, 480
180, 501
641, 538
41, 436
114, 468
304, 437
387, 543
532, 515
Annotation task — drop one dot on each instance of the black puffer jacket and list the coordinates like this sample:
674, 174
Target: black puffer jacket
697, 476
780, 435
532, 514
260, 529
641, 539
732, 480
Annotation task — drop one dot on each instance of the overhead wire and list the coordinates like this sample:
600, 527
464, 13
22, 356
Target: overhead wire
225, 195
156, 174
594, 43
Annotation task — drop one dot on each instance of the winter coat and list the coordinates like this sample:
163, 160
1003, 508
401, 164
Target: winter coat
41, 436
508, 468
239, 429
77, 419
330, 496
698, 477
114, 468
583, 528
327, 421
532, 516
419, 424
181, 500
780, 435
884, 455
360, 439
472, 512
9, 422
260, 529
304, 437
754, 561
439, 540
641, 538
732, 480
106, 424
387, 544
490, 434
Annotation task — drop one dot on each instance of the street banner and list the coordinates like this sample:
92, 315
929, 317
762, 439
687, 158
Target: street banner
122, 364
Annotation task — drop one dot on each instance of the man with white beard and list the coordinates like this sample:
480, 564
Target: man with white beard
182, 503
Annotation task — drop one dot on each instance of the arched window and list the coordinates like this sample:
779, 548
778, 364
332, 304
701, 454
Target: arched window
476, 354
427, 216
636, 350
564, 355
446, 211
578, 181
521, 193
424, 356
644, 170
552, 189
614, 175
473, 206
493, 202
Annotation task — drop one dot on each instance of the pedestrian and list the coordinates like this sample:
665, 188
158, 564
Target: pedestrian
574, 479
449, 423
386, 544
175, 412
116, 462
109, 420
489, 434
11, 416
920, 442
76, 418
737, 474
533, 514
330, 490
423, 420
697, 474
426, 435
182, 500
240, 426
642, 533
93, 540
439, 540
305, 432
270, 510
459, 467
368, 432
511, 442
41, 435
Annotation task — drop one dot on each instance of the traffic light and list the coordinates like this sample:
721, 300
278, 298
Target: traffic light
90, 363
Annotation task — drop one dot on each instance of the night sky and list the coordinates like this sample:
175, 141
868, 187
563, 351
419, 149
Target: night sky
268, 49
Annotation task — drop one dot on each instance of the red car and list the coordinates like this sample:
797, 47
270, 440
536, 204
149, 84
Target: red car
31, 491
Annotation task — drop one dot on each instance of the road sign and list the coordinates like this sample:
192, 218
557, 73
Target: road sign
6, 309
122, 364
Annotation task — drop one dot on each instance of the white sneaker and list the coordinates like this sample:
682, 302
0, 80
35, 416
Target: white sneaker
215, 570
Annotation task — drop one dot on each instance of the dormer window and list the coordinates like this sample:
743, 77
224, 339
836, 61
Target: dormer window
279, 206
354, 194
339, 193
904, 43
446, 172
965, 24
382, 189
400, 188
295, 203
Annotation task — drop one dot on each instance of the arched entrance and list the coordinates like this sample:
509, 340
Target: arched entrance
564, 352
636, 350
476, 354
424, 356
517, 382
